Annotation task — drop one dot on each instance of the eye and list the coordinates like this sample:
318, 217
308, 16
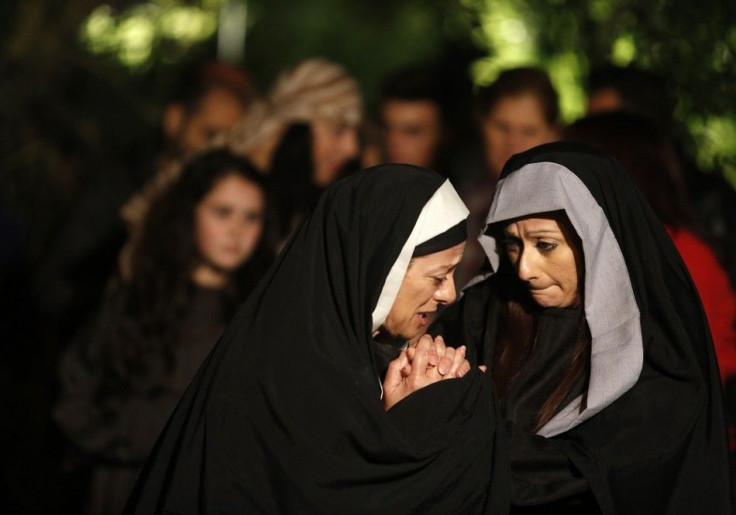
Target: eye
546, 246
510, 244
439, 280
221, 211
253, 217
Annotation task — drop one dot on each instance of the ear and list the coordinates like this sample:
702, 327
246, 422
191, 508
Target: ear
173, 121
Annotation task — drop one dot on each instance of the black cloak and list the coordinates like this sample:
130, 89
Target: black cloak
286, 416
651, 437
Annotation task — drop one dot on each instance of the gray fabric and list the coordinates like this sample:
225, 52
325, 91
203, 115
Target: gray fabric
610, 307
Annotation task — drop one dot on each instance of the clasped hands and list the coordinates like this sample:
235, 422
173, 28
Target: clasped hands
428, 362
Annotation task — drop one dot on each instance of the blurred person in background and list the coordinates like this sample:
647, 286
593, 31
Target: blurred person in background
642, 92
210, 99
412, 118
201, 251
612, 88
520, 110
303, 135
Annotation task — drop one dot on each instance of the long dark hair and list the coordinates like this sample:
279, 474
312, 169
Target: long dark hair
294, 190
150, 305
518, 334
292, 177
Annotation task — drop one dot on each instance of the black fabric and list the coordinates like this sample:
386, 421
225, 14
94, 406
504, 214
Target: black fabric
540, 473
544, 480
661, 447
455, 235
285, 416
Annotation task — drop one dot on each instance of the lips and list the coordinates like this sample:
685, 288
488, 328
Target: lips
425, 317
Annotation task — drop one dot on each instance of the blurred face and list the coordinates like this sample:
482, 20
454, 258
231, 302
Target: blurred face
334, 143
604, 101
546, 259
413, 131
218, 111
228, 224
428, 284
514, 124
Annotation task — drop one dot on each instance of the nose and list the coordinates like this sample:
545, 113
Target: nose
525, 266
236, 227
350, 144
446, 293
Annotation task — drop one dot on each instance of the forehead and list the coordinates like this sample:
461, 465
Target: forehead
424, 110
444, 258
524, 107
533, 224
234, 187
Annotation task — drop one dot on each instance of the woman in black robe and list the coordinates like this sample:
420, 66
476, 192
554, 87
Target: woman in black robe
286, 414
612, 395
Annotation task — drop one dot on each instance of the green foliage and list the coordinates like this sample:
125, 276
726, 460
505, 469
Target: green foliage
691, 44
86, 79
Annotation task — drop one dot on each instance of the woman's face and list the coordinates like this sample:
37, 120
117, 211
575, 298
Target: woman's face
515, 124
546, 259
228, 223
334, 143
427, 285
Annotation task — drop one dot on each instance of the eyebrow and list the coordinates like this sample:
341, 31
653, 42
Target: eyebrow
544, 231
442, 269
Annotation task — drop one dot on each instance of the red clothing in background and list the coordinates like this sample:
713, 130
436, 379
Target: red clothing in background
719, 300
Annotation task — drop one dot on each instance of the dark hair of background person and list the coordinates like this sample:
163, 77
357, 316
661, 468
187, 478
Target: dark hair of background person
646, 154
162, 263
518, 81
195, 83
292, 171
415, 84
518, 334
641, 92
291, 175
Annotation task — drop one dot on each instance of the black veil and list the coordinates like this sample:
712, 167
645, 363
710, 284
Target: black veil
286, 416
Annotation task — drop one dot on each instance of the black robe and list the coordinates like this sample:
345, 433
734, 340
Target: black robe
657, 446
286, 416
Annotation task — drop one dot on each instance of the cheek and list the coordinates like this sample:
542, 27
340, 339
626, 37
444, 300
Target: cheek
251, 236
208, 233
566, 271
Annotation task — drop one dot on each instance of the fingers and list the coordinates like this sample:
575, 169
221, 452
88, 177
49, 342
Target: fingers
394, 374
438, 346
457, 361
434, 352
419, 363
464, 368
447, 361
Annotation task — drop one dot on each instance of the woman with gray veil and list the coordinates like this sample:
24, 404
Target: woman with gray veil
597, 344
291, 412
